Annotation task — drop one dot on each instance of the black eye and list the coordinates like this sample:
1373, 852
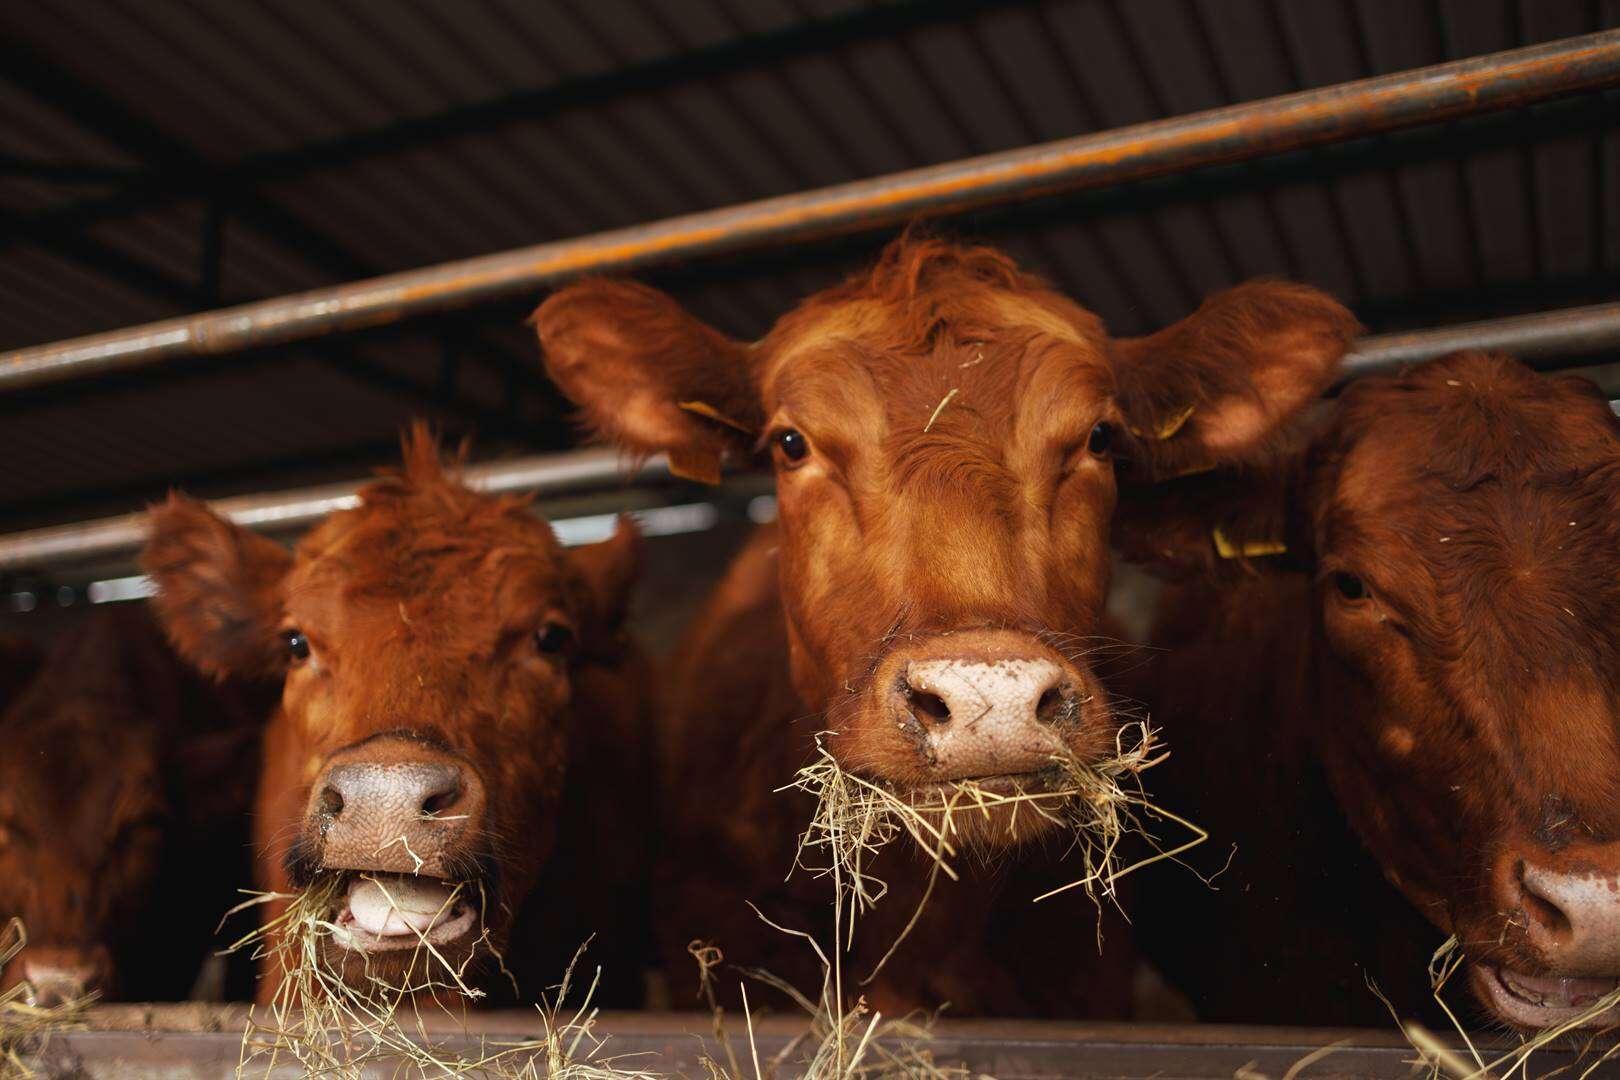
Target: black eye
297, 644
553, 638
1350, 587
1101, 437
793, 444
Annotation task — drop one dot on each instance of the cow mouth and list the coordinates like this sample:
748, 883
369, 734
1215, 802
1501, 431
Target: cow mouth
388, 912
1541, 1001
961, 790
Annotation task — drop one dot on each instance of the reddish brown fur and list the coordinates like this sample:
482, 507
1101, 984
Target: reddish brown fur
420, 607
124, 787
1461, 716
947, 398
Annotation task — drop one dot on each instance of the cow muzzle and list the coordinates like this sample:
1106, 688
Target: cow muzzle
398, 818
394, 805
996, 707
1563, 911
57, 975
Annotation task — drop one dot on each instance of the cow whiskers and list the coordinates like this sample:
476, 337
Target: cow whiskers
25, 1027
330, 1026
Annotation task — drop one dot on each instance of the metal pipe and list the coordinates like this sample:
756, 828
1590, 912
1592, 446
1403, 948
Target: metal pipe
285, 511
1546, 336
1234, 133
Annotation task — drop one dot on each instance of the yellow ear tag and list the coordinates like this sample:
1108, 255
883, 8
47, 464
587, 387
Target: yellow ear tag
1249, 549
693, 464
703, 408
1168, 428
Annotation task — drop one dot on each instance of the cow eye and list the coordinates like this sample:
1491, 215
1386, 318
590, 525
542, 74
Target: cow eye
1350, 587
1102, 436
297, 644
553, 638
793, 444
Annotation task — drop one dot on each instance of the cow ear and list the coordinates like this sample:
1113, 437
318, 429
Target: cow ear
220, 589
648, 376
609, 571
1224, 386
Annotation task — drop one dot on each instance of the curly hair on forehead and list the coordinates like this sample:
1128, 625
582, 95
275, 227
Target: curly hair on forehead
917, 286
420, 523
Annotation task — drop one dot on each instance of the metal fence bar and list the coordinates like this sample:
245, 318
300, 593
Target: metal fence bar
1234, 133
279, 511
1546, 336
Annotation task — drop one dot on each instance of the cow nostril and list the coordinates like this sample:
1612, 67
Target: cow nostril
1543, 908
331, 803
930, 706
440, 801
1052, 706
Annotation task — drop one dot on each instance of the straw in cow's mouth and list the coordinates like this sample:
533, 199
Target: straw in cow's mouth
1096, 804
25, 1027
1562, 1019
328, 1023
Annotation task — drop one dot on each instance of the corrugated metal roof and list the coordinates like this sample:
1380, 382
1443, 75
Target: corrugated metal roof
315, 141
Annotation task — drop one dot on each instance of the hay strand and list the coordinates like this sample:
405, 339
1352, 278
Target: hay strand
26, 1027
1097, 804
328, 1026
1443, 1062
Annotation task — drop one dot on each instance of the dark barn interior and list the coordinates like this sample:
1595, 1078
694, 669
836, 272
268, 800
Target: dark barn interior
165, 159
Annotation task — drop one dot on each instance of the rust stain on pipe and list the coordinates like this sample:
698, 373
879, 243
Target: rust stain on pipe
1230, 134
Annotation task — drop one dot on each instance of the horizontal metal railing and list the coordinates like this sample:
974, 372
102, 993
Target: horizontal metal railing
1542, 339
1235, 133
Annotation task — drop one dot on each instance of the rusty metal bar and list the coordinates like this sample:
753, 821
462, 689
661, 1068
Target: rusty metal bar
1235, 133
1543, 339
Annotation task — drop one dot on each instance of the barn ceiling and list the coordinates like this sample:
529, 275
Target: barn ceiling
163, 157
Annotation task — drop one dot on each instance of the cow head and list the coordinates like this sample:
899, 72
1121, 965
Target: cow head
428, 640
1462, 524
103, 762
944, 430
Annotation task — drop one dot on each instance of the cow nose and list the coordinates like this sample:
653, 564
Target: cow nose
394, 806
58, 975
1574, 914
988, 715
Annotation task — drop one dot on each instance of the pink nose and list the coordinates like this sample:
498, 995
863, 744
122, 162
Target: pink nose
986, 715
1574, 911
60, 975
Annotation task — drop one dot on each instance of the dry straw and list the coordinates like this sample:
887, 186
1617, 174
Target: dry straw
1096, 803
331, 1028
840, 1043
25, 1027
1445, 1063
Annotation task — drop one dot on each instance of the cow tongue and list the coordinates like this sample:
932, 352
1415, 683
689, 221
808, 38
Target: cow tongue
1556, 991
399, 906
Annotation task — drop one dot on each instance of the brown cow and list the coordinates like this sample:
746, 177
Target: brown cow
943, 428
1437, 654
125, 780
455, 684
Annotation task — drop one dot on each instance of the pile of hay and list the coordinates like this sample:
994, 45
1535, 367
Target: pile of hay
329, 1027
1097, 804
25, 1027
1442, 1061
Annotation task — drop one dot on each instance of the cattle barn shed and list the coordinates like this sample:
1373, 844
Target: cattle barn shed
246, 242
